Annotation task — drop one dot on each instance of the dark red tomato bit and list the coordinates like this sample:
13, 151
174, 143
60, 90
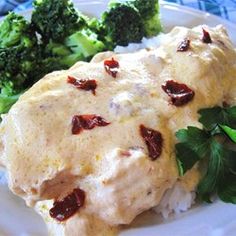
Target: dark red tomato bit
153, 140
225, 104
125, 153
184, 45
111, 67
88, 85
81, 122
206, 38
65, 208
180, 94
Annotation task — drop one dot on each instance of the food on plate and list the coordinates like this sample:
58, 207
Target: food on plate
129, 22
65, 36
18, 50
92, 147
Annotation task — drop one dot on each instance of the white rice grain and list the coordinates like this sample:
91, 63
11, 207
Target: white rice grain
146, 43
175, 201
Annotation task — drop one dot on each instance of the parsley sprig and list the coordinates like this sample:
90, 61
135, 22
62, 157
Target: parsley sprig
213, 147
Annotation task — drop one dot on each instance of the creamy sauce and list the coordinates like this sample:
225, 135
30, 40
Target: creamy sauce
45, 161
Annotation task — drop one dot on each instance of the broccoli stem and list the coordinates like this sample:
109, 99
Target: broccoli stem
7, 101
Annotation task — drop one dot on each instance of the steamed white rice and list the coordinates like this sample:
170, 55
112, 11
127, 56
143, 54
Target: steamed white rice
175, 201
146, 43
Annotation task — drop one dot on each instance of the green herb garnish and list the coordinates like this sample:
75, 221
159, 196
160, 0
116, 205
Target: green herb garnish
211, 117
214, 144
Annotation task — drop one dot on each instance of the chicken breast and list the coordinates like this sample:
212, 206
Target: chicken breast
94, 146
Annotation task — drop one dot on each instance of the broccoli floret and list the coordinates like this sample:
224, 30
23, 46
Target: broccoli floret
97, 27
130, 21
149, 11
56, 19
81, 45
18, 53
14, 30
67, 35
123, 24
6, 101
84, 42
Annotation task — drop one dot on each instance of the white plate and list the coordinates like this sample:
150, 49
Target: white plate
217, 219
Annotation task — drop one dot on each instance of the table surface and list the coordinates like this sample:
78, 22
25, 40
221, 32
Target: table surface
223, 8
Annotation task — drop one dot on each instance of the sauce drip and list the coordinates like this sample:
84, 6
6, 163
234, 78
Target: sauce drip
180, 94
111, 67
206, 38
64, 209
153, 140
81, 122
184, 45
88, 85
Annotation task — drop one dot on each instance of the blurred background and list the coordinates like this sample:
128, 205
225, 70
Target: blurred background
17, 5
223, 8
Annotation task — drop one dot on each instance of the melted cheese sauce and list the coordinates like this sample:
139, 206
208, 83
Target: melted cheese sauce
45, 161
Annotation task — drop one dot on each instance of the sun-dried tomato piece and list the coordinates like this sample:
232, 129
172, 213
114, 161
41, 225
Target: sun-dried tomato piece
111, 67
65, 208
184, 45
225, 104
124, 153
206, 38
88, 85
81, 122
153, 140
180, 94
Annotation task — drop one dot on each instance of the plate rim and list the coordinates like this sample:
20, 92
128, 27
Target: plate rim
163, 4
198, 12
